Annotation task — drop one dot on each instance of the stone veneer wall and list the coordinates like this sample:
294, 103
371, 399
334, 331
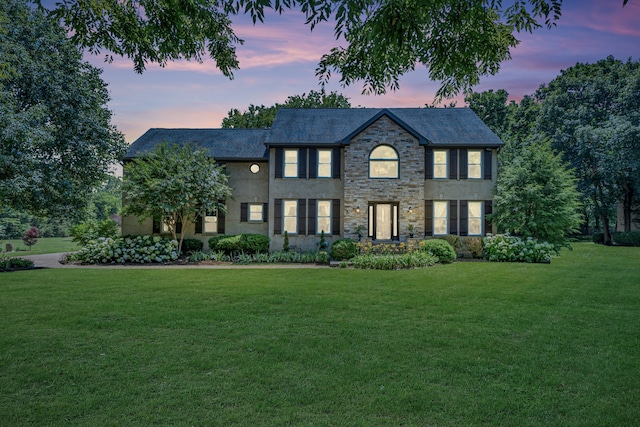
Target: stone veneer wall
408, 189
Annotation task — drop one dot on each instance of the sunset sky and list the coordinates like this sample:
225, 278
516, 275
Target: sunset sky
279, 58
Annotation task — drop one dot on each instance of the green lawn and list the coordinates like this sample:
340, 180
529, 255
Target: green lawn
463, 344
45, 245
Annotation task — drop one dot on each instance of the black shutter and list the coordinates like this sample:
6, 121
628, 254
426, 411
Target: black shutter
244, 207
464, 164
428, 163
313, 163
428, 218
199, 221
311, 218
335, 217
302, 216
265, 212
487, 164
335, 163
221, 221
453, 217
279, 163
277, 216
179, 227
488, 210
302, 163
453, 164
464, 218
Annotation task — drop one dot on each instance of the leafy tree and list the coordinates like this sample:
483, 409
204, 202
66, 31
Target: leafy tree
592, 113
536, 196
491, 107
174, 184
56, 140
106, 199
30, 237
262, 117
457, 41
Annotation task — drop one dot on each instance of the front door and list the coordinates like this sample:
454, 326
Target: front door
383, 221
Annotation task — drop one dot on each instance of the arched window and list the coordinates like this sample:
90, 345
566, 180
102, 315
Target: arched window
383, 162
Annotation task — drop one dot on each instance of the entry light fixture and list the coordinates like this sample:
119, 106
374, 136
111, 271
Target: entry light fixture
410, 209
357, 208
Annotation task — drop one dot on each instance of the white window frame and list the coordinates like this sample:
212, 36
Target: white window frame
474, 221
290, 216
325, 165
438, 207
290, 163
375, 161
475, 166
326, 217
255, 212
438, 171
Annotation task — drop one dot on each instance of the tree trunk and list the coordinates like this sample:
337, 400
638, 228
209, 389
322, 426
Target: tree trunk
627, 203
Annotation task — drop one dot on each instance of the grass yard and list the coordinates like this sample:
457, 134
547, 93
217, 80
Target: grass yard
45, 245
463, 344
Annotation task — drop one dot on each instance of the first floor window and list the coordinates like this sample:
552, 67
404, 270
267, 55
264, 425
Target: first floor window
475, 218
290, 218
440, 217
255, 212
324, 216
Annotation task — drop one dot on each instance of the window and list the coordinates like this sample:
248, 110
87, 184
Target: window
290, 216
324, 163
323, 216
440, 163
475, 218
474, 162
255, 212
383, 162
290, 163
440, 217
210, 223
254, 168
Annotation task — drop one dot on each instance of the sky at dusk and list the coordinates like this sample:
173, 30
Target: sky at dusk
279, 58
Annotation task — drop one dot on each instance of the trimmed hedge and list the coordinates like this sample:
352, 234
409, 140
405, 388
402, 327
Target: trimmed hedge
192, 245
344, 249
240, 243
440, 249
627, 238
504, 247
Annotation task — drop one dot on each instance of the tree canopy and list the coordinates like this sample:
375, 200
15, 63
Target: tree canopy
378, 40
262, 117
56, 139
174, 184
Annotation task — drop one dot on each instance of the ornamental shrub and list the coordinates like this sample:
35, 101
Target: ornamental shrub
440, 249
504, 247
628, 238
598, 237
191, 245
394, 262
10, 264
136, 249
453, 240
344, 249
240, 243
30, 236
91, 230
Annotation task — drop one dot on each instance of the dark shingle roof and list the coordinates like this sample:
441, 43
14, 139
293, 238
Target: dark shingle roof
433, 126
223, 144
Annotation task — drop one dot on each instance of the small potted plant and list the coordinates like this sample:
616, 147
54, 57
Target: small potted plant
359, 232
411, 230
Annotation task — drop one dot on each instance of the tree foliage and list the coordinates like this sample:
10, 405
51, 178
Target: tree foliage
262, 117
174, 184
30, 237
456, 41
56, 140
536, 196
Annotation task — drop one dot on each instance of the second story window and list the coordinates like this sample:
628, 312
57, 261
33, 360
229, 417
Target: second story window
440, 163
290, 163
324, 163
383, 162
474, 164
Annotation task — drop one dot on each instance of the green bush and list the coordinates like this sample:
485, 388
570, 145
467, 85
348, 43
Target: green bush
394, 262
504, 247
138, 249
344, 249
627, 238
91, 230
10, 264
439, 248
191, 245
473, 244
598, 238
453, 240
240, 243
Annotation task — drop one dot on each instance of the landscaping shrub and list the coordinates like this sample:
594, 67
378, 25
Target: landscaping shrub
453, 240
440, 249
344, 249
240, 243
504, 247
10, 264
138, 249
627, 238
368, 248
394, 262
598, 238
191, 245
473, 245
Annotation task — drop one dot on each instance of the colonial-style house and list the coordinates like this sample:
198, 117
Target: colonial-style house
386, 174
